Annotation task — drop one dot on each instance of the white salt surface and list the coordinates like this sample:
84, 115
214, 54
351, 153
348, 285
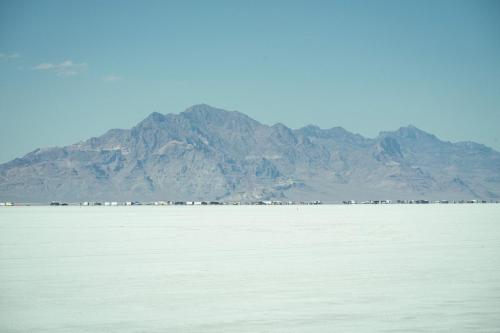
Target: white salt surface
391, 268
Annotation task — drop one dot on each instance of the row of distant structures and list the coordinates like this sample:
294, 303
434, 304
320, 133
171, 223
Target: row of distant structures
385, 202
185, 203
264, 202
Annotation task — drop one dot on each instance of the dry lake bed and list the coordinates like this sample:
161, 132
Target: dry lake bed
390, 268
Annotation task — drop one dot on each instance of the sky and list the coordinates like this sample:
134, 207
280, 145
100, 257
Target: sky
70, 70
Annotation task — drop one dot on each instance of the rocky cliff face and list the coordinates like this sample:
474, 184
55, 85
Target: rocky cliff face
206, 153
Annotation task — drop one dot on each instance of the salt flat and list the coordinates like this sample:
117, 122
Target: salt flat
391, 268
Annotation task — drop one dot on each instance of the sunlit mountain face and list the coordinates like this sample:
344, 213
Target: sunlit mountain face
205, 153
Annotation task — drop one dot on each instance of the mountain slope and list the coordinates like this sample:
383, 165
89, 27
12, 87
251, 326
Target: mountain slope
206, 153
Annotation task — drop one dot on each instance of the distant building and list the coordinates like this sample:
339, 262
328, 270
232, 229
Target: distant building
421, 201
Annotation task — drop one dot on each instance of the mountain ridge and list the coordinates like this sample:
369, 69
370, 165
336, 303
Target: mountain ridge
207, 153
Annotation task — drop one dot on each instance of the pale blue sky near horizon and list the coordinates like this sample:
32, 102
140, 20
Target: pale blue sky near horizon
70, 70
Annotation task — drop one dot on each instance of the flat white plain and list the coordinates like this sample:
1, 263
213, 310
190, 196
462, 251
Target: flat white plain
391, 268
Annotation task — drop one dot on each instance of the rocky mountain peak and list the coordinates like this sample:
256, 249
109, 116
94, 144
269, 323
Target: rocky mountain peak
412, 132
206, 153
153, 118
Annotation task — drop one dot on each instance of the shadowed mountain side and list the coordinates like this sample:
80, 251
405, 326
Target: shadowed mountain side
205, 153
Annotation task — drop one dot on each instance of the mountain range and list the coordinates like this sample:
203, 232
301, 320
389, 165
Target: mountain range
206, 153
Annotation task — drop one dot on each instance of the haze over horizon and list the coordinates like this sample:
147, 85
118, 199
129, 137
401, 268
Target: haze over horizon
70, 70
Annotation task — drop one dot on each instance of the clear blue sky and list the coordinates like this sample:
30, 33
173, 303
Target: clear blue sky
70, 70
